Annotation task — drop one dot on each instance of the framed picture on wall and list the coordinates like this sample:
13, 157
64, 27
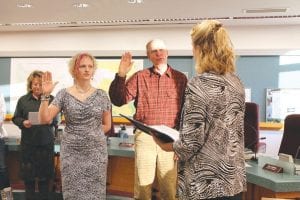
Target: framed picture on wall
248, 94
281, 102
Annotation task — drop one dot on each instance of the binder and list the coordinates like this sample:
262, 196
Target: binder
163, 132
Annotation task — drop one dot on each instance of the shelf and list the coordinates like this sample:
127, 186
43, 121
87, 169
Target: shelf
270, 126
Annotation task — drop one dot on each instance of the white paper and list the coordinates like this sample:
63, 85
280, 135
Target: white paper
163, 132
172, 133
247, 165
247, 94
33, 117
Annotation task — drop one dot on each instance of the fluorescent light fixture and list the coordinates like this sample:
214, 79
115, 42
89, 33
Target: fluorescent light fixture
135, 1
81, 5
39, 23
265, 10
24, 5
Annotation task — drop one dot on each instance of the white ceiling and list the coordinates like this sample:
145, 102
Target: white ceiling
61, 14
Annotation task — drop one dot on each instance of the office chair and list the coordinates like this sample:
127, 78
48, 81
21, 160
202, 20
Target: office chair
291, 135
251, 126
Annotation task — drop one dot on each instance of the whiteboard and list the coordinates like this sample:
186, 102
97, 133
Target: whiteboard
105, 73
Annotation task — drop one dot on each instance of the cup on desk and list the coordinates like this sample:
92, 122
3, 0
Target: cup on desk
58, 135
18, 140
108, 141
124, 136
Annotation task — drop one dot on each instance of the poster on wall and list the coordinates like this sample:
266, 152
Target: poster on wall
281, 103
105, 73
248, 94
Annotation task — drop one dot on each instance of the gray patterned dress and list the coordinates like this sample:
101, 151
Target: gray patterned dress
83, 146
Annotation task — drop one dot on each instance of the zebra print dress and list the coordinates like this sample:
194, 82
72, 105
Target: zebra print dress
211, 144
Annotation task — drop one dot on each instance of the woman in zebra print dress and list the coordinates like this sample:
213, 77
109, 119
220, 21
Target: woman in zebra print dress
211, 144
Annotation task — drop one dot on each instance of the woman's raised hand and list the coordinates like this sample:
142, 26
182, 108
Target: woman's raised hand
47, 83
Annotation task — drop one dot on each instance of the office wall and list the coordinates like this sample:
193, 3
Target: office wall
248, 40
259, 73
184, 64
5, 78
256, 72
259, 47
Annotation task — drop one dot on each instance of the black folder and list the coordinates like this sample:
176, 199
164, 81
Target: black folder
164, 133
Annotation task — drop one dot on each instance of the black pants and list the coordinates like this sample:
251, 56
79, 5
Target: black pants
4, 181
37, 163
43, 188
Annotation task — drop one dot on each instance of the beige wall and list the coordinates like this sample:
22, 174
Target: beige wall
248, 40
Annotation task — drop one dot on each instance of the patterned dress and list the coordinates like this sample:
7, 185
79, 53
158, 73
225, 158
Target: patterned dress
83, 146
211, 144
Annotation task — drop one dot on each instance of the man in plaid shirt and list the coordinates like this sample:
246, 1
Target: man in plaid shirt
157, 93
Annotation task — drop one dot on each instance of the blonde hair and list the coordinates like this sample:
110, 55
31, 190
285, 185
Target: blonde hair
75, 61
213, 50
32, 75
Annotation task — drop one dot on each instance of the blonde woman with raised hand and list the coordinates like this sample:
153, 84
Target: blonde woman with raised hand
87, 115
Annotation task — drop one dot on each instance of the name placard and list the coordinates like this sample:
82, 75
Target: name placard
273, 168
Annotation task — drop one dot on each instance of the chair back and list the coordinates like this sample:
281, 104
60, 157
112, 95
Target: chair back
291, 135
251, 126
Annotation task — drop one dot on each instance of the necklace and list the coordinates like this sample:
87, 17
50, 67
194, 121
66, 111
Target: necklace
83, 92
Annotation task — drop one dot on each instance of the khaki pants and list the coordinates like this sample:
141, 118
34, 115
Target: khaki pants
150, 158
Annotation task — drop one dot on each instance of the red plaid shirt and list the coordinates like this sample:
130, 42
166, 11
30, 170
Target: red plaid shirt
157, 98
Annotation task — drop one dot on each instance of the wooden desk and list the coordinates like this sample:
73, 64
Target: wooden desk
256, 192
120, 175
262, 183
13, 164
120, 171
